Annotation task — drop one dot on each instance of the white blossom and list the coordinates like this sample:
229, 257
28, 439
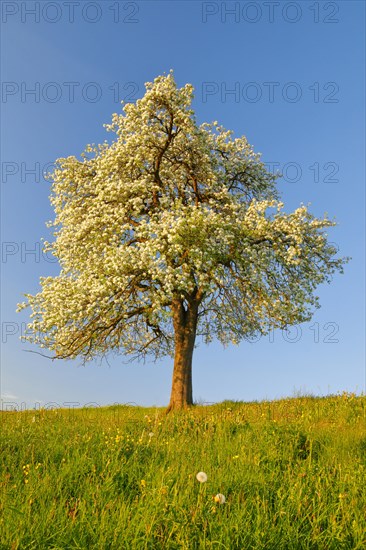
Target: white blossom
172, 210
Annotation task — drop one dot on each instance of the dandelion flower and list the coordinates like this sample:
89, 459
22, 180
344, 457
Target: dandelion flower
202, 477
220, 498
151, 434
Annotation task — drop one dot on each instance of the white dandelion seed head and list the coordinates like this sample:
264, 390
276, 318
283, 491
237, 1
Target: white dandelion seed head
202, 477
220, 498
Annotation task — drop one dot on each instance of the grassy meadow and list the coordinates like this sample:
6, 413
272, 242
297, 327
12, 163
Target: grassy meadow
293, 473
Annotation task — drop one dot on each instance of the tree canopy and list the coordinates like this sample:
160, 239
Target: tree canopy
171, 231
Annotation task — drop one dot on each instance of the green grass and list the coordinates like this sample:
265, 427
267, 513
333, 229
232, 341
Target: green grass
292, 471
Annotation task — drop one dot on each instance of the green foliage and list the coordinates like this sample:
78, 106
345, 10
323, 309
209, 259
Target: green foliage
292, 471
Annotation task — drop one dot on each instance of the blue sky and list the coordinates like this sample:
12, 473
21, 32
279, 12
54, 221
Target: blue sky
288, 75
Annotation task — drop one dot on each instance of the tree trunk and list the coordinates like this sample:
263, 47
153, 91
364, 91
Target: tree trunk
185, 325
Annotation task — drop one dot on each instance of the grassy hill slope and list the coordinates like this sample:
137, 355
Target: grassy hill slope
293, 473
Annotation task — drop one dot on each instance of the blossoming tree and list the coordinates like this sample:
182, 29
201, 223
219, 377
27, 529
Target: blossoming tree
173, 231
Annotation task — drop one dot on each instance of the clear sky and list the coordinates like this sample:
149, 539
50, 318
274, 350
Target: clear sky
288, 75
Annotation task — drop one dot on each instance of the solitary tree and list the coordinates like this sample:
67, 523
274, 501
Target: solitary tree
173, 231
